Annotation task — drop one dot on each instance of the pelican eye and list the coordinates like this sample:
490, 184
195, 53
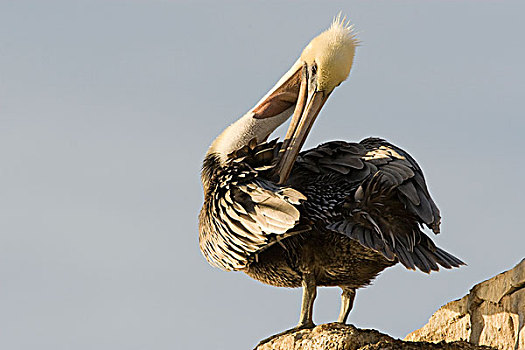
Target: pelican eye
314, 68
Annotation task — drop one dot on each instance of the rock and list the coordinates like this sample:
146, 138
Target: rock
346, 337
492, 314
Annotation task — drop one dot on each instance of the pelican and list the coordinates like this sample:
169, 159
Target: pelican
334, 215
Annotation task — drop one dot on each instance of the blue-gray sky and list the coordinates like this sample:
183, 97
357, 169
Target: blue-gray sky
107, 107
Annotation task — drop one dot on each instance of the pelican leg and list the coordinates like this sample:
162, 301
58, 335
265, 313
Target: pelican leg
307, 306
347, 301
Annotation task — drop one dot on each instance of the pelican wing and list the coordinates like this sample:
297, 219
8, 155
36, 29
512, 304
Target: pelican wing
377, 195
245, 213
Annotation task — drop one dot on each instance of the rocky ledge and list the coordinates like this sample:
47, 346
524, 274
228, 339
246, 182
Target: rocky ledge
337, 336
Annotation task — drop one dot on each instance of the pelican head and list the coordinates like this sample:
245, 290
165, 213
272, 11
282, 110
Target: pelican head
302, 91
324, 64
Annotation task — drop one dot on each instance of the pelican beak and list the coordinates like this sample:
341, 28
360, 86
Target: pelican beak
308, 105
297, 89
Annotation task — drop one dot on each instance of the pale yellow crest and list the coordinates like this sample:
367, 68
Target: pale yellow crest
333, 52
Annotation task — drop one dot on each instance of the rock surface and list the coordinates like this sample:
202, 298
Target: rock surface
492, 314
346, 337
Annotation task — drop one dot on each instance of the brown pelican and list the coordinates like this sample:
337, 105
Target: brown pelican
334, 215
